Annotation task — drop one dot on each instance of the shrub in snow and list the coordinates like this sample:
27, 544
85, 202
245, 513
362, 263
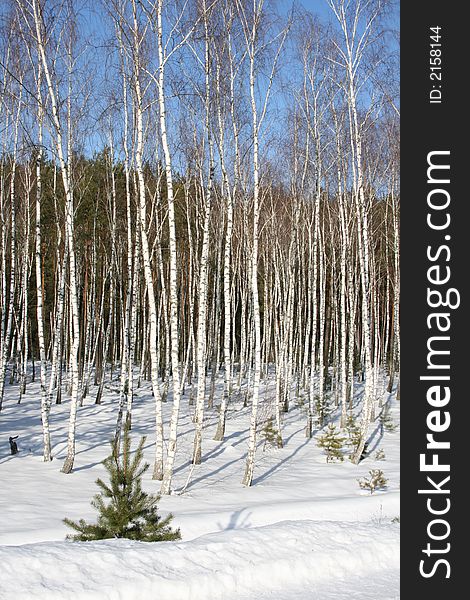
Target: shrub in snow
376, 481
380, 454
130, 513
332, 443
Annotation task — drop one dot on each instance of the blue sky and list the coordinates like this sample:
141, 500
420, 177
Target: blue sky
96, 25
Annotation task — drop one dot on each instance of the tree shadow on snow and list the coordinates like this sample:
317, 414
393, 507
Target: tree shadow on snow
86, 467
237, 521
219, 470
378, 430
278, 465
288, 439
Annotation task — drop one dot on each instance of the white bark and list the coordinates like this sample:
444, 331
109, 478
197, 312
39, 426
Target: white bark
203, 269
152, 316
65, 172
168, 470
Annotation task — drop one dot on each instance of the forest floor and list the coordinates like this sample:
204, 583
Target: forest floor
304, 530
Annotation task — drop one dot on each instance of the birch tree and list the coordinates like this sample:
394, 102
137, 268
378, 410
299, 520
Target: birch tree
41, 37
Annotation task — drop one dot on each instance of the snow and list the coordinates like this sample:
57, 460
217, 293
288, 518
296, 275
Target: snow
303, 530
210, 567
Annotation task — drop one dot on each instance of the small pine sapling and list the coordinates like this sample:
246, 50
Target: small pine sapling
272, 437
354, 432
130, 513
376, 481
332, 443
322, 409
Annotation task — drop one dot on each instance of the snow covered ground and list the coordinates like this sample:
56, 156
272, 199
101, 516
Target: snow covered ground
247, 563
303, 530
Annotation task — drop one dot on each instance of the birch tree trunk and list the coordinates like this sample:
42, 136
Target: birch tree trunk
172, 441
152, 316
352, 55
65, 172
203, 269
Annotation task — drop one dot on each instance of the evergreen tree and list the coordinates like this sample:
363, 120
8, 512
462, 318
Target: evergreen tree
332, 443
131, 512
272, 437
354, 431
323, 409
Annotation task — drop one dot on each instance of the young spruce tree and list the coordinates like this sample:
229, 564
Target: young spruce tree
130, 513
332, 443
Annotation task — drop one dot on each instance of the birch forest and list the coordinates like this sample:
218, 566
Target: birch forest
201, 196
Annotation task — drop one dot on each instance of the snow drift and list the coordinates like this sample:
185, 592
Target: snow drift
222, 565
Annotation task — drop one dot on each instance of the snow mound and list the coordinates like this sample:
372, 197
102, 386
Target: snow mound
226, 565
